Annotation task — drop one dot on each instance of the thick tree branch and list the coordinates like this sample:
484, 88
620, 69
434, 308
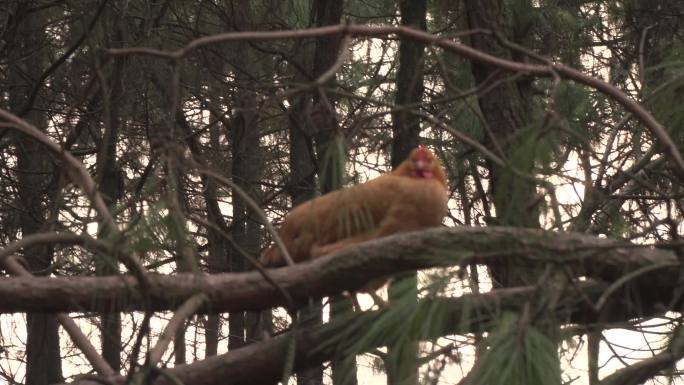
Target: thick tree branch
80, 339
262, 362
654, 272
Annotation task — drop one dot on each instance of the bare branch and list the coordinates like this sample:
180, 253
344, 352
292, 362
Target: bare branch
188, 309
641, 371
548, 70
78, 174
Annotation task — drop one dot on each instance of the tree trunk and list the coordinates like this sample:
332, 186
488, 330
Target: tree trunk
331, 154
216, 260
245, 229
301, 186
504, 109
401, 363
110, 182
36, 178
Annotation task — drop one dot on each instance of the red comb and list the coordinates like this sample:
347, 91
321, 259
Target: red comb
422, 151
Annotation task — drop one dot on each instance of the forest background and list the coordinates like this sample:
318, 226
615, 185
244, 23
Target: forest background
148, 150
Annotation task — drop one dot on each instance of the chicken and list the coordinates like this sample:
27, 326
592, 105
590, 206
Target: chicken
412, 197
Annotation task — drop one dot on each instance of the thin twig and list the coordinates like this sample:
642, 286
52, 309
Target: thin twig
186, 310
254, 206
79, 174
642, 65
50, 238
471, 53
258, 266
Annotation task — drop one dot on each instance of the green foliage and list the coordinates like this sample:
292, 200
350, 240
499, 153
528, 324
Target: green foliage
613, 222
577, 116
574, 104
157, 230
468, 122
404, 322
146, 235
666, 98
514, 186
299, 13
333, 158
515, 354
562, 17
369, 9
146, 232
443, 13
524, 16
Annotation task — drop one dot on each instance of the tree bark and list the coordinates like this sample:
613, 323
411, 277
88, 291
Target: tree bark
110, 180
262, 362
504, 109
331, 165
401, 363
581, 256
36, 175
245, 229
